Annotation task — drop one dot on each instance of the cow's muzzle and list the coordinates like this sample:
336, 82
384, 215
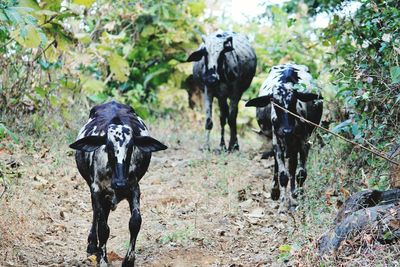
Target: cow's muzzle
118, 184
119, 181
212, 80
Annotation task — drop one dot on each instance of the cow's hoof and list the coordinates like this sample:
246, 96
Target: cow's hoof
267, 154
222, 148
91, 250
205, 148
292, 208
275, 193
298, 193
234, 147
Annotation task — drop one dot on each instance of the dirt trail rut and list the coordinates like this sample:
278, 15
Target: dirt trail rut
198, 209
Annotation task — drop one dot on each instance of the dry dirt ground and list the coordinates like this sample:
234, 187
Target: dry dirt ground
198, 208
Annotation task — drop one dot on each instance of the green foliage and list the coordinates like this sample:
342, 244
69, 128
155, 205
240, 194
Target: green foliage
59, 51
315, 6
5, 132
365, 70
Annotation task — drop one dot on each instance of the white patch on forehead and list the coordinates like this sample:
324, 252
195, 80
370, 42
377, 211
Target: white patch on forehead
214, 46
120, 136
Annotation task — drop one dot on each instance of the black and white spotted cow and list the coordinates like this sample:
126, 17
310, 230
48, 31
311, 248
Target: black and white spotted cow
224, 65
113, 153
289, 134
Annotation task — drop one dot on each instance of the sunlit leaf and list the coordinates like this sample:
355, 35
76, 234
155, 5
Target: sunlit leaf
147, 31
285, 248
29, 3
98, 98
395, 74
197, 7
86, 3
92, 86
28, 36
83, 37
119, 66
53, 5
52, 54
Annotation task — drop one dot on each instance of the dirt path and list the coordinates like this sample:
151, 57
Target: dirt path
198, 209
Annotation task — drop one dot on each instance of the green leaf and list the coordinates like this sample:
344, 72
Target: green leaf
395, 74
93, 86
148, 31
40, 91
197, 7
150, 76
28, 36
285, 248
53, 101
86, 3
119, 66
98, 98
52, 54
342, 126
53, 5
29, 3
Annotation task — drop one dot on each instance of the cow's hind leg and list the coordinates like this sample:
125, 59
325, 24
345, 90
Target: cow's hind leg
224, 111
134, 226
233, 142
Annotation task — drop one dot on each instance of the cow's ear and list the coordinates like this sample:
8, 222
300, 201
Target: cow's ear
305, 97
197, 55
148, 144
261, 101
228, 47
89, 143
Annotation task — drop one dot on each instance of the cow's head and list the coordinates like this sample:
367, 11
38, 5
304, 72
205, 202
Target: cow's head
283, 122
119, 143
213, 50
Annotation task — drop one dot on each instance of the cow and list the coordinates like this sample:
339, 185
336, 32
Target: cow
224, 64
289, 134
113, 152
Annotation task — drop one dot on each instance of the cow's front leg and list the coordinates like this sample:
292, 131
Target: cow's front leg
92, 238
233, 142
224, 111
134, 226
292, 174
283, 174
103, 231
302, 172
275, 192
208, 99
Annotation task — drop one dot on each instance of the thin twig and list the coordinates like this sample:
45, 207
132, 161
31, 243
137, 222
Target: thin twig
44, 50
379, 154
